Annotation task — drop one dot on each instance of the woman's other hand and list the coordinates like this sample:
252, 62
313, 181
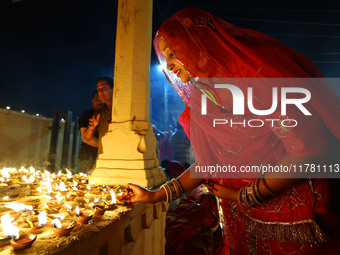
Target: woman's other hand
222, 191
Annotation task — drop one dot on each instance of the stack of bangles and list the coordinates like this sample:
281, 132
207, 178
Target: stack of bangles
173, 190
249, 196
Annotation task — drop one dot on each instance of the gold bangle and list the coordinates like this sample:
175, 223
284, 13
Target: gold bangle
169, 190
256, 190
244, 197
239, 199
176, 188
253, 194
178, 185
166, 194
249, 196
173, 190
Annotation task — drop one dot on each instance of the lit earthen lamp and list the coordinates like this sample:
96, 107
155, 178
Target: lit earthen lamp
99, 208
82, 217
37, 192
70, 210
23, 242
70, 197
8, 230
4, 240
9, 198
36, 227
62, 229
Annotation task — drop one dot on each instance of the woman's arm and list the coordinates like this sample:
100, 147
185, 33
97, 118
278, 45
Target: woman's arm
135, 193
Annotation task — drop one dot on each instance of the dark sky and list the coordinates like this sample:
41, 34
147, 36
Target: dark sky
51, 52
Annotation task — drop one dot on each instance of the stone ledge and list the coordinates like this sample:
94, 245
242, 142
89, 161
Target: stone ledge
110, 235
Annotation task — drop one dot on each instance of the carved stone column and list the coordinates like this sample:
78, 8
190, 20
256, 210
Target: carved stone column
129, 146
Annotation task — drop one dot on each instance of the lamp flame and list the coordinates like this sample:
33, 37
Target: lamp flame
56, 223
47, 173
113, 195
60, 199
19, 207
7, 227
49, 187
42, 219
32, 170
77, 210
31, 179
62, 186
69, 174
68, 206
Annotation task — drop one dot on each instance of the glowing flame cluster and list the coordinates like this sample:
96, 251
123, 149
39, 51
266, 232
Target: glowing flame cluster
7, 227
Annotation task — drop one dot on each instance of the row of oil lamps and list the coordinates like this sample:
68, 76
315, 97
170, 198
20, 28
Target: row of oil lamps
50, 194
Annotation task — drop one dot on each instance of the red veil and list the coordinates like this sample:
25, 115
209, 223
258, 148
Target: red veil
209, 47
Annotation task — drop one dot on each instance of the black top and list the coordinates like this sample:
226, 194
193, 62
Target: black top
87, 151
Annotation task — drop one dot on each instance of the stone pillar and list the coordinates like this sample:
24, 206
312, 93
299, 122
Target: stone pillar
129, 146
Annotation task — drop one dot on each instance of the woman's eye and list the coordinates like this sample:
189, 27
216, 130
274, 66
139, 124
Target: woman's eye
171, 54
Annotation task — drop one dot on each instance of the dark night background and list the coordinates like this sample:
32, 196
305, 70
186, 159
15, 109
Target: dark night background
53, 51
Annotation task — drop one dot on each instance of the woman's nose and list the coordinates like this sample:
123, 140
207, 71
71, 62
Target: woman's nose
170, 66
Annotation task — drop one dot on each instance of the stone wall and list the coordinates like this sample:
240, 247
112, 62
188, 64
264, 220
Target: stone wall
25, 140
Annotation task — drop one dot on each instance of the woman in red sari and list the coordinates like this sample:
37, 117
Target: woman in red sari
268, 215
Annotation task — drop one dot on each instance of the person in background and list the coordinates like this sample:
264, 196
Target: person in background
101, 121
89, 145
181, 150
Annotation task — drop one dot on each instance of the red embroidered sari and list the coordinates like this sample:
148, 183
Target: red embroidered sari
209, 47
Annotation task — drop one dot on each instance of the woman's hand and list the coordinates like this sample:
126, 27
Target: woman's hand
222, 191
135, 193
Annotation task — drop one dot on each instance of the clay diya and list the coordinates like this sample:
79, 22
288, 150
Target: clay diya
4, 240
64, 192
33, 186
82, 187
63, 229
12, 213
99, 211
9, 198
23, 242
99, 208
70, 197
37, 193
95, 191
54, 204
33, 202
71, 212
32, 228
31, 218
80, 193
52, 210
83, 217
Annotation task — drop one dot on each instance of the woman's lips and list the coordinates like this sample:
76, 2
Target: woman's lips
177, 72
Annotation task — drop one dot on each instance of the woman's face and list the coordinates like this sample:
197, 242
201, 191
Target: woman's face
172, 62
